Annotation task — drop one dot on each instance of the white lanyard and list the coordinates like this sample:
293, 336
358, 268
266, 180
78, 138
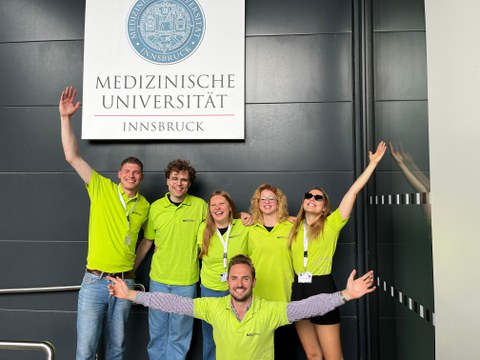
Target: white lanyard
305, 246
127, 213
225, 244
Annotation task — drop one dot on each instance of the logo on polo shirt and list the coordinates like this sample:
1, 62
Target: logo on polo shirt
165, 31
253, 334
188, 220
282, 237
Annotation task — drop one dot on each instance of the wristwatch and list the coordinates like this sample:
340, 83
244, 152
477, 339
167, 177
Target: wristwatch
343, 298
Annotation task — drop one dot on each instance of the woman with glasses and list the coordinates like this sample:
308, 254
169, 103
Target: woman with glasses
220, 237
313, 241
270, 253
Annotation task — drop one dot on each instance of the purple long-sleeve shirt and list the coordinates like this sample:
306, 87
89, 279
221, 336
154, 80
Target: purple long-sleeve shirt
296, 310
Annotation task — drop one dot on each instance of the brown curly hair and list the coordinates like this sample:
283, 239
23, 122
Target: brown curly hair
181, 165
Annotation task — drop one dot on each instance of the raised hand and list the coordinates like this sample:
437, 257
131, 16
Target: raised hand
358, 287
67, 105
377, 156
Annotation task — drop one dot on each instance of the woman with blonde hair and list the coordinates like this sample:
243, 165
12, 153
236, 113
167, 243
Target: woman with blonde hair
219, 238
313, 241
269, 251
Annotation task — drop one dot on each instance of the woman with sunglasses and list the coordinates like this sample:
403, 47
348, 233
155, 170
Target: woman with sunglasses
270, 253
313, 241
220, 237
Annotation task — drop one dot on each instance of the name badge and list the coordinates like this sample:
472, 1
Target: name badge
305, 277
128, 240
223, 277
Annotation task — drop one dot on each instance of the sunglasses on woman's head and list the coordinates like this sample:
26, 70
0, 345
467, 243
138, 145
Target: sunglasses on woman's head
316, 197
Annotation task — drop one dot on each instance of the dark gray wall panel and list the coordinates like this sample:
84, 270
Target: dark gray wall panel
40, 264
405, 124
49, 207
24, 20
404, 244
414, 336
400, 66
291, 137
311, 68
405, 267
31, 135
299, 17
34, 73
301, 134
61, 301
386, 342
394, 15
55, 327
349, 335
404, 335
406, 254
395, 182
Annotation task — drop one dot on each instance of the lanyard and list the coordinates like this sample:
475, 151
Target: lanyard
127, 212
305, 246
225, 244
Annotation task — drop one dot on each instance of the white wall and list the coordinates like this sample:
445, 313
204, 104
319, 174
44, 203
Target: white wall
453, 58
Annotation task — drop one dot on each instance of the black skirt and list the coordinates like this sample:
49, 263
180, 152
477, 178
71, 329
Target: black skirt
320, 284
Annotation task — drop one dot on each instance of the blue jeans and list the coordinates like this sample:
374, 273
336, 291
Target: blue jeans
170, 334
94, 306
209, 348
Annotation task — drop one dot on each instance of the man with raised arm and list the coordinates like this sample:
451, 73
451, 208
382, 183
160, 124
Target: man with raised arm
243, 324
117, 213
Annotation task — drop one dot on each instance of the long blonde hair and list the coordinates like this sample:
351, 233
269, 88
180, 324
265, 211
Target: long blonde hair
313, 230
210, 227
282, 203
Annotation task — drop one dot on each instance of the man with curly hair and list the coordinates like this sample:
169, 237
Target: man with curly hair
173, 225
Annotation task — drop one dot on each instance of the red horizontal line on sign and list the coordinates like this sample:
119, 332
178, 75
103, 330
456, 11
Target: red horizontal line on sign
206, 115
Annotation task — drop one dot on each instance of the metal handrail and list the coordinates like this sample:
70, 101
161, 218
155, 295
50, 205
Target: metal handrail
39, 289
52, 289
44, 346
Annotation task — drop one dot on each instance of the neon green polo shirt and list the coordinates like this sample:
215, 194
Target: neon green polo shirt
174, 229
212, 263
321, 249
108, 249
272, 259
250, 339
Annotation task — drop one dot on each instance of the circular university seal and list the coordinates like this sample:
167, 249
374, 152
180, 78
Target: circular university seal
165, 31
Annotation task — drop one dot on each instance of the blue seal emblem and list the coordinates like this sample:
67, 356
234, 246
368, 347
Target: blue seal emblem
165, 31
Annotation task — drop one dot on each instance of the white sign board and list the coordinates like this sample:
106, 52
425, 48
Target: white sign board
164, 69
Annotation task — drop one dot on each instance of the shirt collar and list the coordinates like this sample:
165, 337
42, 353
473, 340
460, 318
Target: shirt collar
125, 195
235, 311
186, 201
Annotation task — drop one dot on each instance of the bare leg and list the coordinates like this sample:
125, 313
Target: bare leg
329, 339
308, 337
